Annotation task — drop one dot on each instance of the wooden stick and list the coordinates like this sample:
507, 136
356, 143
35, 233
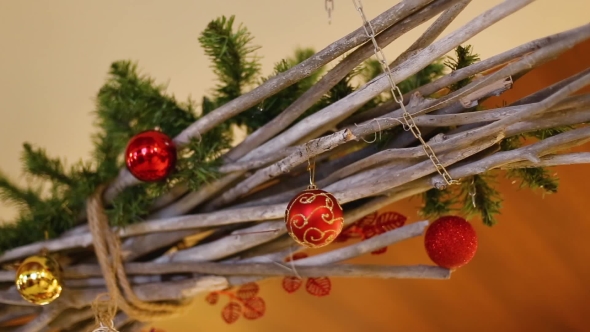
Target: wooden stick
350, 103
315, 93
186, 222
478, 67
188, 203
271, 270
432, 32
276, 84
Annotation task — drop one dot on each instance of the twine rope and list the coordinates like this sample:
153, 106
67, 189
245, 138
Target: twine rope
104, 312
108, 251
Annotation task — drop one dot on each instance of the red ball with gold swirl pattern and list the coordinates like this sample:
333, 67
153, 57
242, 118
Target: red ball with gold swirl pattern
314, 218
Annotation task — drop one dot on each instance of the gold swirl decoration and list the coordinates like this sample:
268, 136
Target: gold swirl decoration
314, 218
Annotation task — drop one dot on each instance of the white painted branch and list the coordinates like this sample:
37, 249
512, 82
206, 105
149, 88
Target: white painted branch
211, 219
316, 146
570, 37
432, 32
330, 79
277, 83
277, 269
447, 120
351, 251
478, 67
352, 102
161, 291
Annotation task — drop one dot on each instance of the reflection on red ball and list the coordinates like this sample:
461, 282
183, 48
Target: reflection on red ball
450, 242
314, 218
150, 156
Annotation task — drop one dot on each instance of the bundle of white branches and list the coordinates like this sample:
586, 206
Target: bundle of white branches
246, 235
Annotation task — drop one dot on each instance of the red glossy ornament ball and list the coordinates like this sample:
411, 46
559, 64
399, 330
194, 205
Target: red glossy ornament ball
314, 218
451, 242
150, 156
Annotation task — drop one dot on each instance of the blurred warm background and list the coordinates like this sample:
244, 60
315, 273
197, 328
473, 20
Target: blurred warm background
531, 272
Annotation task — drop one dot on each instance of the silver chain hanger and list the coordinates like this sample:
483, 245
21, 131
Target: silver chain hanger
409, 124
329, 4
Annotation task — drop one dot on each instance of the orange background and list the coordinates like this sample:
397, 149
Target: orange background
530, 273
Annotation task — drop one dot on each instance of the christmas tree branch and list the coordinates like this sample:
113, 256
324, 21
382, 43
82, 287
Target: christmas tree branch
276, 84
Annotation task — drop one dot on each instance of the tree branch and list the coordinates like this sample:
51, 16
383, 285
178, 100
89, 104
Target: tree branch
478, 67
571, 36
432, 32
270, 270
355, 100
276, 84
315, 93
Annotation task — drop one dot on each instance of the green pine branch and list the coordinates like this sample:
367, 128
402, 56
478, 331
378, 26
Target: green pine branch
23, 199
549, 132
36, 162
232, 55
488, 201
437, 203
428, 74
464, 57
533, 177
268, 109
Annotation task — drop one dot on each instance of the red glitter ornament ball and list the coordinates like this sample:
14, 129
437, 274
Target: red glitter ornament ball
450, 242
314, 218
150, 156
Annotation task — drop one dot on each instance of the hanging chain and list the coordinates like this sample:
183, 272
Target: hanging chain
399, 98
329, 4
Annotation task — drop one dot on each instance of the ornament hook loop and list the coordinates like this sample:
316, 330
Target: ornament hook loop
473, 192
311, 170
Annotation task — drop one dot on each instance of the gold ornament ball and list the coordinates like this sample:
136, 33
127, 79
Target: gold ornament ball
39, 280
